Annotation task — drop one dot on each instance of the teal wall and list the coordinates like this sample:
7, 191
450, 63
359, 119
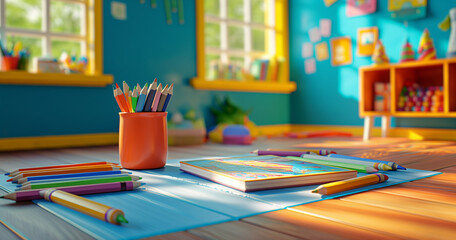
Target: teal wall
136, 50
330, 96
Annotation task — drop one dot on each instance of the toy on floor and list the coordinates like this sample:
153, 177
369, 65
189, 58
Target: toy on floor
186, 130
414, 98
407, 54
233, 124
450, 22
379, 56
426, 48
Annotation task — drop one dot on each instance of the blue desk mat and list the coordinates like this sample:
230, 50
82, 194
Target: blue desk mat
172, 200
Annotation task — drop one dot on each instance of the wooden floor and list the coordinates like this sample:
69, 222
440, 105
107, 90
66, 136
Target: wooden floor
423, 209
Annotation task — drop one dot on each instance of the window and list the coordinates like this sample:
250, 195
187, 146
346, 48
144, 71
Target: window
50, 27
232, 34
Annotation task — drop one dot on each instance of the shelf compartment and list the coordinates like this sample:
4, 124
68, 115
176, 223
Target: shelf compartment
367, 86
451, 91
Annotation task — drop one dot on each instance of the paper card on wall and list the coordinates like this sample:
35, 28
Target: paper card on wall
314, 34
310, 66
325, 27
360, 7
366, 40
329, 2
407, 9
118, 10
307, 50
321, 51
341, 51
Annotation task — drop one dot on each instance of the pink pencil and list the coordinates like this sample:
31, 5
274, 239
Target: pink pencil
27, 195
157, 98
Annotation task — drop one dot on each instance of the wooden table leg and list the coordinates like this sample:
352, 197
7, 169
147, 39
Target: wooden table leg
368, 124
386, 123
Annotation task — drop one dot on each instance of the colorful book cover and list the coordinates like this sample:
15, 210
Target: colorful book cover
264, 172
255, 69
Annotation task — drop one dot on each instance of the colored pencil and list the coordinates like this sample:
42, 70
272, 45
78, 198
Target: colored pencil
17, 171
180, 5
157, 98
122, 99
64, 176
27, 195
66, 171
134, 99
168, 98
357, 167
376, 165
84, 205
142, 99
80, 182
322, 152
393, 165
169, 18
70, 179
61, 168
150, 96
117, 98
163, 97
281, 153
349, 184
126, 90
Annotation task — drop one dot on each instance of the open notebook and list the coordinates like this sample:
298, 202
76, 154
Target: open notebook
264, 172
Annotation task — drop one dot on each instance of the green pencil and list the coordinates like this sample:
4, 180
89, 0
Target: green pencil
181, 11
357, 167
134, 99
80, 182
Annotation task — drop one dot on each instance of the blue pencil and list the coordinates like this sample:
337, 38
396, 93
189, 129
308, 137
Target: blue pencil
150, 96
393, 165
70, 179
72, 175
141, 99
168, 98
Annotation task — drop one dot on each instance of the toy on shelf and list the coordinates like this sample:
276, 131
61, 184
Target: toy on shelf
407, 54
379, 56
186, 130
382, 97
450, 22
414, 98
233, 124
72, 65
426, 48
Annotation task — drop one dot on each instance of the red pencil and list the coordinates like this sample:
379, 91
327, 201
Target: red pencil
122, 99
116, 96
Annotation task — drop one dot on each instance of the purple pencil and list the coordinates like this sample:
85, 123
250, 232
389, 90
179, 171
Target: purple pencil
281, 153
27, 195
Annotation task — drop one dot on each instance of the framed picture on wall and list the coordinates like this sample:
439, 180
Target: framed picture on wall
341, 51
366, 40
360, 7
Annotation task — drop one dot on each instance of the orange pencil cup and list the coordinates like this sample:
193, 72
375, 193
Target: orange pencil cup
10, 63
143, 140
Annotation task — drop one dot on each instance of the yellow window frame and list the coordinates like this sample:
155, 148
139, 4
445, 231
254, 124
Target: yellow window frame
282, 50
94, 76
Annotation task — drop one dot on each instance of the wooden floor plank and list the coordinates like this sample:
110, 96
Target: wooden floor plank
404, 225
175, 236
310, 227
426, 208
424, 193
238, 230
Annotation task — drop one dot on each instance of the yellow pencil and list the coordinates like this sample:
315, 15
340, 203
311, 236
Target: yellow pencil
84, 205
352, 183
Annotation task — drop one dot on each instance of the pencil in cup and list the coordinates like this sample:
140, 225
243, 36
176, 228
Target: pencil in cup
84, 205
151, 92
72, 175
27, 195
352, 166
393, 165
349, 184
376, 165
142, 99
123, 178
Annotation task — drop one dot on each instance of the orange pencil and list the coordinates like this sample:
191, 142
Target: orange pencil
60, 168
117, 98
96, 168
122, 99
126, 92
17, 171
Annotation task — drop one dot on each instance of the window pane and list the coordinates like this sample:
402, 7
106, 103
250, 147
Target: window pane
212, 35
66, 17
258, 11
235, 37
258, 37
236, 9
30, 44
212, 66
212, 8
24, 14
73, 48
237, 64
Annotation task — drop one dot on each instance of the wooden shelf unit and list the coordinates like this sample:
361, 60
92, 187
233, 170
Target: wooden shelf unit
441, 72
244, 86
